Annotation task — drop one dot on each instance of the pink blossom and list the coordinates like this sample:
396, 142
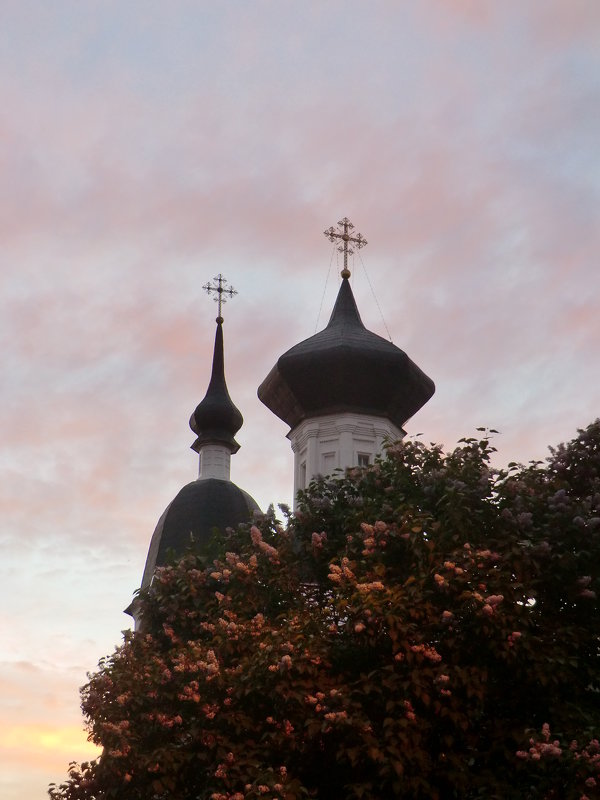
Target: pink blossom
587, 593
546, 731
366, 528
255, 535
317, 540
429, 652
373, 586
369, 542
334, 716
269, 551
285, 663
495, 599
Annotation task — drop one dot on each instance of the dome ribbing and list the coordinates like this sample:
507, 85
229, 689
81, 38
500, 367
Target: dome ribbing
192, 517
345, 368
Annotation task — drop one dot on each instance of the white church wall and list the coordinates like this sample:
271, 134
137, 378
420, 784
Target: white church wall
337, 441
214, 462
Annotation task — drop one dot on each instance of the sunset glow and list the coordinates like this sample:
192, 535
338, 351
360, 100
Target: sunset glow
147, 148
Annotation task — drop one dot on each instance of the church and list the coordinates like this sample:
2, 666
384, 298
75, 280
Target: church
343, 392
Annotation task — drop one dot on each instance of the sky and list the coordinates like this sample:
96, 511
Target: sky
147, 147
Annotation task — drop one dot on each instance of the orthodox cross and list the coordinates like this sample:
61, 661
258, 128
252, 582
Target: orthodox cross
343, 233
220, 289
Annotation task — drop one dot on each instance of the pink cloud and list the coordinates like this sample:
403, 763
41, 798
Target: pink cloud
456, 137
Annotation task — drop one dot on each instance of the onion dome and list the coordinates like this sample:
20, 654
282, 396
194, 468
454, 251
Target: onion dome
192, 517
345, 368
216, 419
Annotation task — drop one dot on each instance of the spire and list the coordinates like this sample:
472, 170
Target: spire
345, 368
216, 419
211, 501
345, 310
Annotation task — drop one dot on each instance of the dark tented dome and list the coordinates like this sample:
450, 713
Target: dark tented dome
192, 516
345, 368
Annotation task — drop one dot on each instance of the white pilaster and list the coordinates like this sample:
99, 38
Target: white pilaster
214, 462
337, 441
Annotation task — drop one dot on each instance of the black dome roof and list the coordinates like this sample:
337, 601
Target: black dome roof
216, 418
342, 368
191, 517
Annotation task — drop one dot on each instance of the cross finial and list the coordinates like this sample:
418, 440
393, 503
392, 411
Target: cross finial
343, 233
220, 289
